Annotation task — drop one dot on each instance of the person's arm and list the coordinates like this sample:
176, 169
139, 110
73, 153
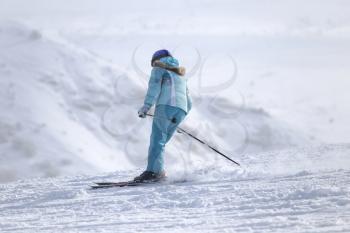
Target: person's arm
154, 88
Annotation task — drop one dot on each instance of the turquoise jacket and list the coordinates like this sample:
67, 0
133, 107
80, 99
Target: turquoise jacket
166, 87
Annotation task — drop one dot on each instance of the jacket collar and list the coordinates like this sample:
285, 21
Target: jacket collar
178, 70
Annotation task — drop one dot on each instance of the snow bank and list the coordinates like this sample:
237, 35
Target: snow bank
52, 98
67, 111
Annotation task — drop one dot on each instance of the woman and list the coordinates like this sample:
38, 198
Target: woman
167, 90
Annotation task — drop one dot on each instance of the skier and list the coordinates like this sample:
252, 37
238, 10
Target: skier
167, 90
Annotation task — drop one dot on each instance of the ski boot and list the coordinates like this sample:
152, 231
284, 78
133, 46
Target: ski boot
148, 176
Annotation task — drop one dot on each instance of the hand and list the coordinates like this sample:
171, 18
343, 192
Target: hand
143, 111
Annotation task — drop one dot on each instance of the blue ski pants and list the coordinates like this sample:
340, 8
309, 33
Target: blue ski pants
162, 131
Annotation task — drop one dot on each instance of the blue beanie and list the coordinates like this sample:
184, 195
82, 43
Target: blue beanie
159, 54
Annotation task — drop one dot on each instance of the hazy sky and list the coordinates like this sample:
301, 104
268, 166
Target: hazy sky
267, 9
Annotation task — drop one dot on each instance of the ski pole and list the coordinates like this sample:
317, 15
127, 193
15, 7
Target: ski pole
173, 120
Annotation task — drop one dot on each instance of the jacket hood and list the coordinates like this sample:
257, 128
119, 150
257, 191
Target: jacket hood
170, 61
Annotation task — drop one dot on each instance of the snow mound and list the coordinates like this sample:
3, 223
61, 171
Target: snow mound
53, 95
67, 111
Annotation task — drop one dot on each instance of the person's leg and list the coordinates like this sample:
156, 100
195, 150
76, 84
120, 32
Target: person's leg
156, 147
179, 115
162, 131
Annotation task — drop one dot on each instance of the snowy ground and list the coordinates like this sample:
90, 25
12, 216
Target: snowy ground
270, 85
213, 200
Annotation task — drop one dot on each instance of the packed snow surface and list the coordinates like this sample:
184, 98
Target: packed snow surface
212, 199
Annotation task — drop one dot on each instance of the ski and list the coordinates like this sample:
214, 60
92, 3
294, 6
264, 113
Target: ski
111, 183
100, 185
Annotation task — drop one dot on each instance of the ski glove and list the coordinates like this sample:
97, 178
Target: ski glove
143, 110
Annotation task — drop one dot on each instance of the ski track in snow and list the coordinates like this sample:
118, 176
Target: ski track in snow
237, 200
299, 203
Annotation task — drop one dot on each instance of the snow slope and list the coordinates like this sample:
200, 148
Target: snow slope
50, 123
297, 198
